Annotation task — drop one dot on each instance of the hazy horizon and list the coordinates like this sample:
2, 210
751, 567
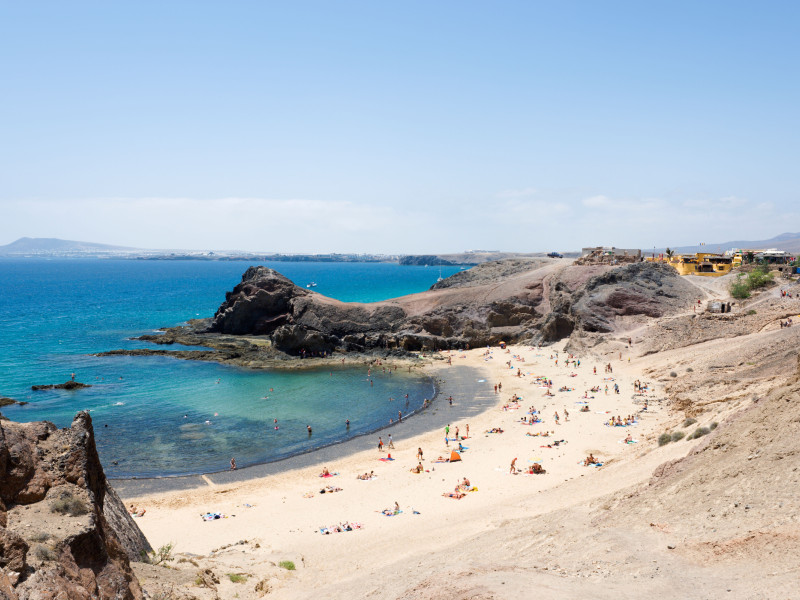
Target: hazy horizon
373, 127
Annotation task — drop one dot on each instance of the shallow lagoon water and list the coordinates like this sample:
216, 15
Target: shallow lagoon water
158, 416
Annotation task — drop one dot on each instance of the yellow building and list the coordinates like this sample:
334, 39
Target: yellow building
702, 263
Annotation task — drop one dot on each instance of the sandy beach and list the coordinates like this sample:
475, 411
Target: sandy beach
283, 513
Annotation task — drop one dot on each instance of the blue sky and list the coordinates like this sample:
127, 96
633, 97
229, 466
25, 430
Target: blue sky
399, 126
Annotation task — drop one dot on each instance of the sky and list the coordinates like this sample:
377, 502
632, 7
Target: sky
399, 127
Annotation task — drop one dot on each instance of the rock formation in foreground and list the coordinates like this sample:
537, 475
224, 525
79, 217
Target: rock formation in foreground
64, 533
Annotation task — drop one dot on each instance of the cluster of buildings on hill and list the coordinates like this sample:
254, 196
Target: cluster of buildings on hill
700, 263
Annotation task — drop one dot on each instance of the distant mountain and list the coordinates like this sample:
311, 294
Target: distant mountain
790, 242
53, 246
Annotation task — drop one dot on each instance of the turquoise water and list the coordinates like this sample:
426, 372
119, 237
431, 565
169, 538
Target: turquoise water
158, 416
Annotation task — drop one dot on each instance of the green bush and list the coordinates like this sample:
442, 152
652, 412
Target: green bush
689, 421
677, 435
713, 426
698, 433
664, 438
286, 564
237, 577
163, 554
759, 277
739, 288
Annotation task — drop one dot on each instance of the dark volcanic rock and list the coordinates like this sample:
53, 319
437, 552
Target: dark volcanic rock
650, 289
266, 318
10, 401
69, 385
425, 260
267, 303
488, 272
60, 525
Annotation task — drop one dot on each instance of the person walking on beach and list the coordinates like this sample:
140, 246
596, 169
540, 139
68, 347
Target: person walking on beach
447, 431
513, 466
233, 464
391, 443
467, 429
380, 444
419, 454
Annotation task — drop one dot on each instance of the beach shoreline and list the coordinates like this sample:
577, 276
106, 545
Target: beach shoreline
458, 381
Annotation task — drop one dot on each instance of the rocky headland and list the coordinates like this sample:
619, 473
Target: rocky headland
267, 318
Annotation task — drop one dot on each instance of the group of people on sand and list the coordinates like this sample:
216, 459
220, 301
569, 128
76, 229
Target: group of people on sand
366, 476
135, 511
346, 526
590, 460
461, 489
619, 422
786, 323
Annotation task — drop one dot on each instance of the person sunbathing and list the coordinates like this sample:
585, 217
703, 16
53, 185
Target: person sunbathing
536, 469
418, 469
457, 494
325, 472
590, 460
585, 408
629, 439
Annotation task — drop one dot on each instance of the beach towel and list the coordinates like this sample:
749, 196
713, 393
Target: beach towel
386, 459
213, 516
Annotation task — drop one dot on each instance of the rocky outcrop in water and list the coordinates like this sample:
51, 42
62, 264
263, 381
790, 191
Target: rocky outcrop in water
69, 385
63, 532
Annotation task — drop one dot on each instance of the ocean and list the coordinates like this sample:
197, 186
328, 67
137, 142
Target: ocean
158, 416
